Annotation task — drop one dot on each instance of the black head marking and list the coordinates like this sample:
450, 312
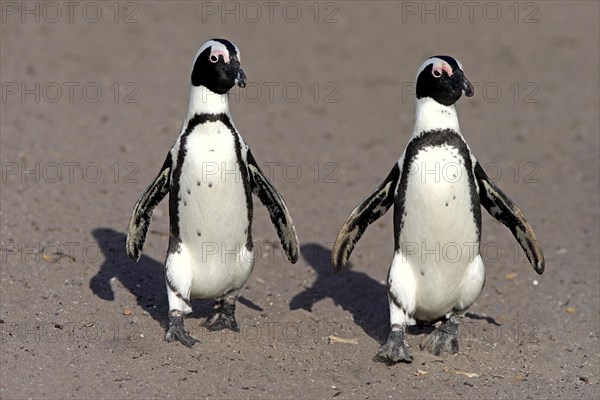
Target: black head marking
217, 66
442, 79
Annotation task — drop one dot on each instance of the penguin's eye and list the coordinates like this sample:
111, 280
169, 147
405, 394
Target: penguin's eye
216, 55
438, 70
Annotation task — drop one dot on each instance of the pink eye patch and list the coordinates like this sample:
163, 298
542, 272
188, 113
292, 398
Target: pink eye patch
438, 68
214, 56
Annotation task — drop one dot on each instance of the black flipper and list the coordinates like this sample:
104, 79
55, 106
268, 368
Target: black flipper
502, 208
142, 211
278, 211
368, 211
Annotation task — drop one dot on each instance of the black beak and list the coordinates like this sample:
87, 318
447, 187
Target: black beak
460, 84
240, 79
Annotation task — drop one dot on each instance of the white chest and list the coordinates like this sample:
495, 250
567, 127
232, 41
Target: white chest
212, 196
438, 205
439, 239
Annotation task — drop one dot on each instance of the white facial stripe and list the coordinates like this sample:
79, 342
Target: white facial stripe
218, 53
431, 60
438, 64
216, 48
442, 66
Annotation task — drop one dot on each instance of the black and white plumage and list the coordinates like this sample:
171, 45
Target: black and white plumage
210, 175
437, 187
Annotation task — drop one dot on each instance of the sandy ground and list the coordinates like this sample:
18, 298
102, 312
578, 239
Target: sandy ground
93, 98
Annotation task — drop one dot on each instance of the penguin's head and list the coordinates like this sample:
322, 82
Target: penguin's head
217, 66
442, 79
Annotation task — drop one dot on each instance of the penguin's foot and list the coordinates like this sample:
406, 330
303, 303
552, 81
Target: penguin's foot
442, 340
177, 331
223, 316
396, 348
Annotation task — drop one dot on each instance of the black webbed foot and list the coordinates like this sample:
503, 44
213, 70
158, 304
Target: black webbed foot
395, 349
177, 331
443, 340
223, 316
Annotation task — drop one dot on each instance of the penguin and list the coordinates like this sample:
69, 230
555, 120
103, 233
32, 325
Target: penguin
210, 175
437, 188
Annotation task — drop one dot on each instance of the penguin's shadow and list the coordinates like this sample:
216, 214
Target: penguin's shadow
145, 280
355, 292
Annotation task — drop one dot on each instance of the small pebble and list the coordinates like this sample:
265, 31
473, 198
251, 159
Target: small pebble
510, 276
